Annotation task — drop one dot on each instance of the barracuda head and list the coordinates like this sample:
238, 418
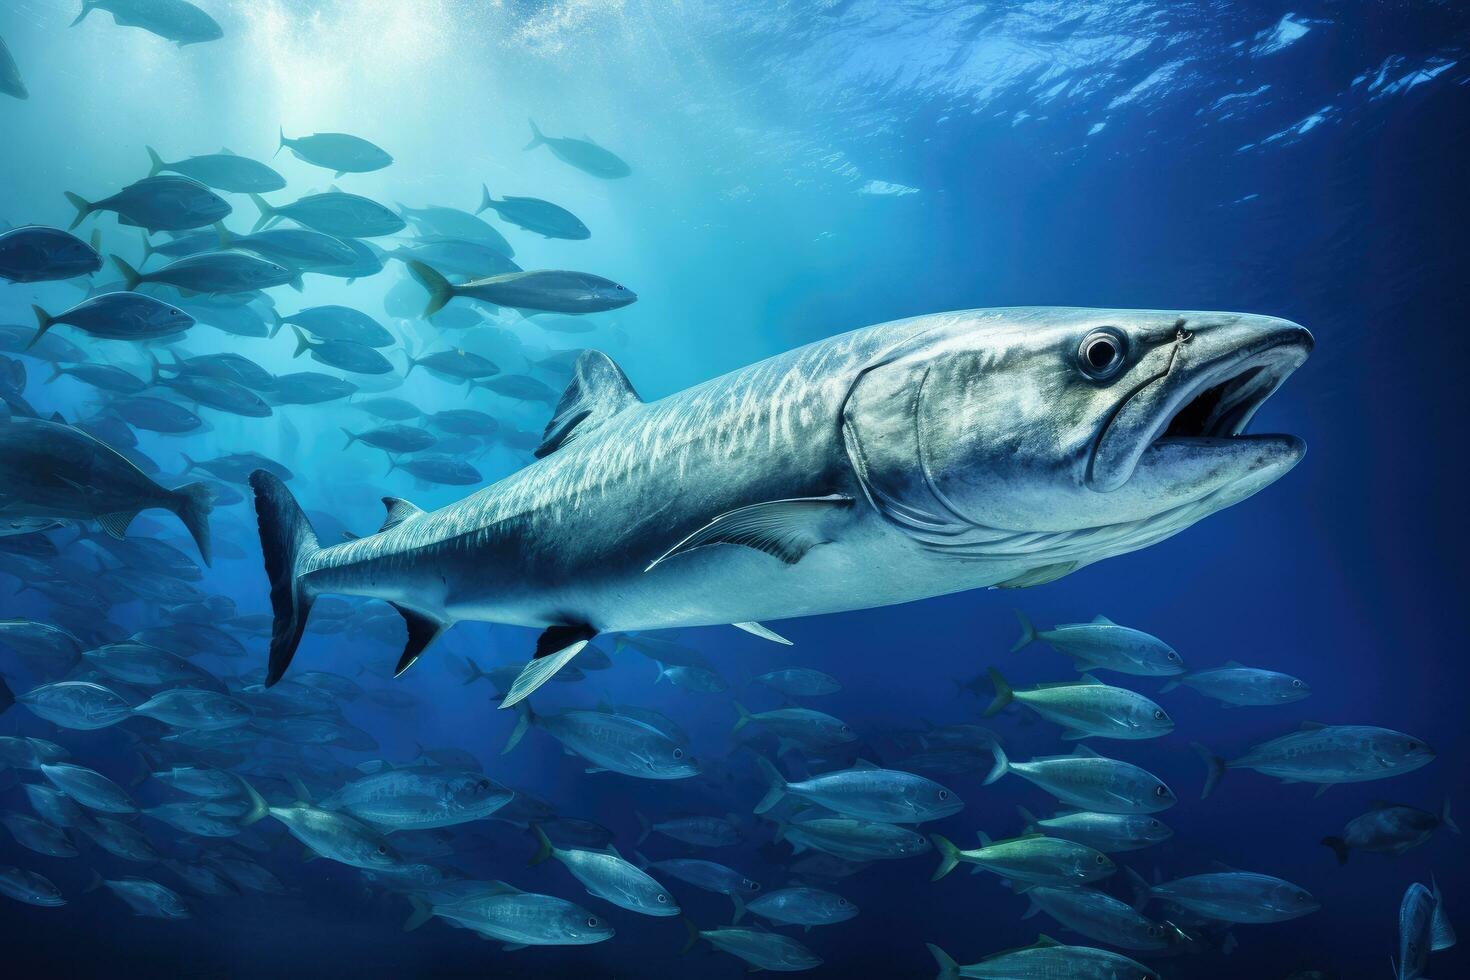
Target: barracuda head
1069, 435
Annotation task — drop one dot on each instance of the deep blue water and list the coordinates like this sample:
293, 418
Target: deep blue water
801, 170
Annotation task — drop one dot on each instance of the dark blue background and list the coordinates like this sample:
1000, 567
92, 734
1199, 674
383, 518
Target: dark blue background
1349, 573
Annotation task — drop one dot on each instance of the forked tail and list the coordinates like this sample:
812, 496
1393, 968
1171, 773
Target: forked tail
439, 288
192, 503
536, 137
287, 540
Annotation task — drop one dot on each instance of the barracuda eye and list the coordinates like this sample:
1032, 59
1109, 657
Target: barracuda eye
1101, 353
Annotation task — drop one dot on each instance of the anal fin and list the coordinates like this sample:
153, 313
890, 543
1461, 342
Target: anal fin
786, 529
422, 630
555, 648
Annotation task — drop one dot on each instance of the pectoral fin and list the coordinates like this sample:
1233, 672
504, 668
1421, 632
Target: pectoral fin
785, 529
554, 650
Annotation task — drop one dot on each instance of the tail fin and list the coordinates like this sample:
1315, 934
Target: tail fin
440, 291
1141, 890
1003, 693
544, 851
1339, 847
536, 138
279, 323
1168, 686
691, 932
644, 828
743, 718
192, 504
422, 911
948, 968
1028, 819
475, 673
949, 856
267, 212
303, 343
1000, 768
777, 791
1214, 768
258, 808
1444, 816
351, 437
524, 722
44, 322
287, 540
486, 201
282, 144
155, 161
84, 207
56, 370
1441, 933
148, 250
227, 240
1028, 632
131, 277
7, 696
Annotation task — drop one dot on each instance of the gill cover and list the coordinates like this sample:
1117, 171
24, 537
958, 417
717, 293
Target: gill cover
887, 433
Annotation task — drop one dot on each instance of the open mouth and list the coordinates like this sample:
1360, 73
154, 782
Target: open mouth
1223, 408
1208, 402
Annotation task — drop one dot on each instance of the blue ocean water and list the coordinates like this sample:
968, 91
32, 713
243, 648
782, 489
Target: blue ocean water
799, 170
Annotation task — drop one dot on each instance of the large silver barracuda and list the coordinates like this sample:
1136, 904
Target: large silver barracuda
1001, 448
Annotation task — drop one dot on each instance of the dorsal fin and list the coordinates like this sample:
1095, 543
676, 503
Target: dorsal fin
1310, 726
1234, 664
1101, 620
598, 390
399, 510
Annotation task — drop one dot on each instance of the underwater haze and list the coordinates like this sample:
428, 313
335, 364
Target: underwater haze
218, 313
